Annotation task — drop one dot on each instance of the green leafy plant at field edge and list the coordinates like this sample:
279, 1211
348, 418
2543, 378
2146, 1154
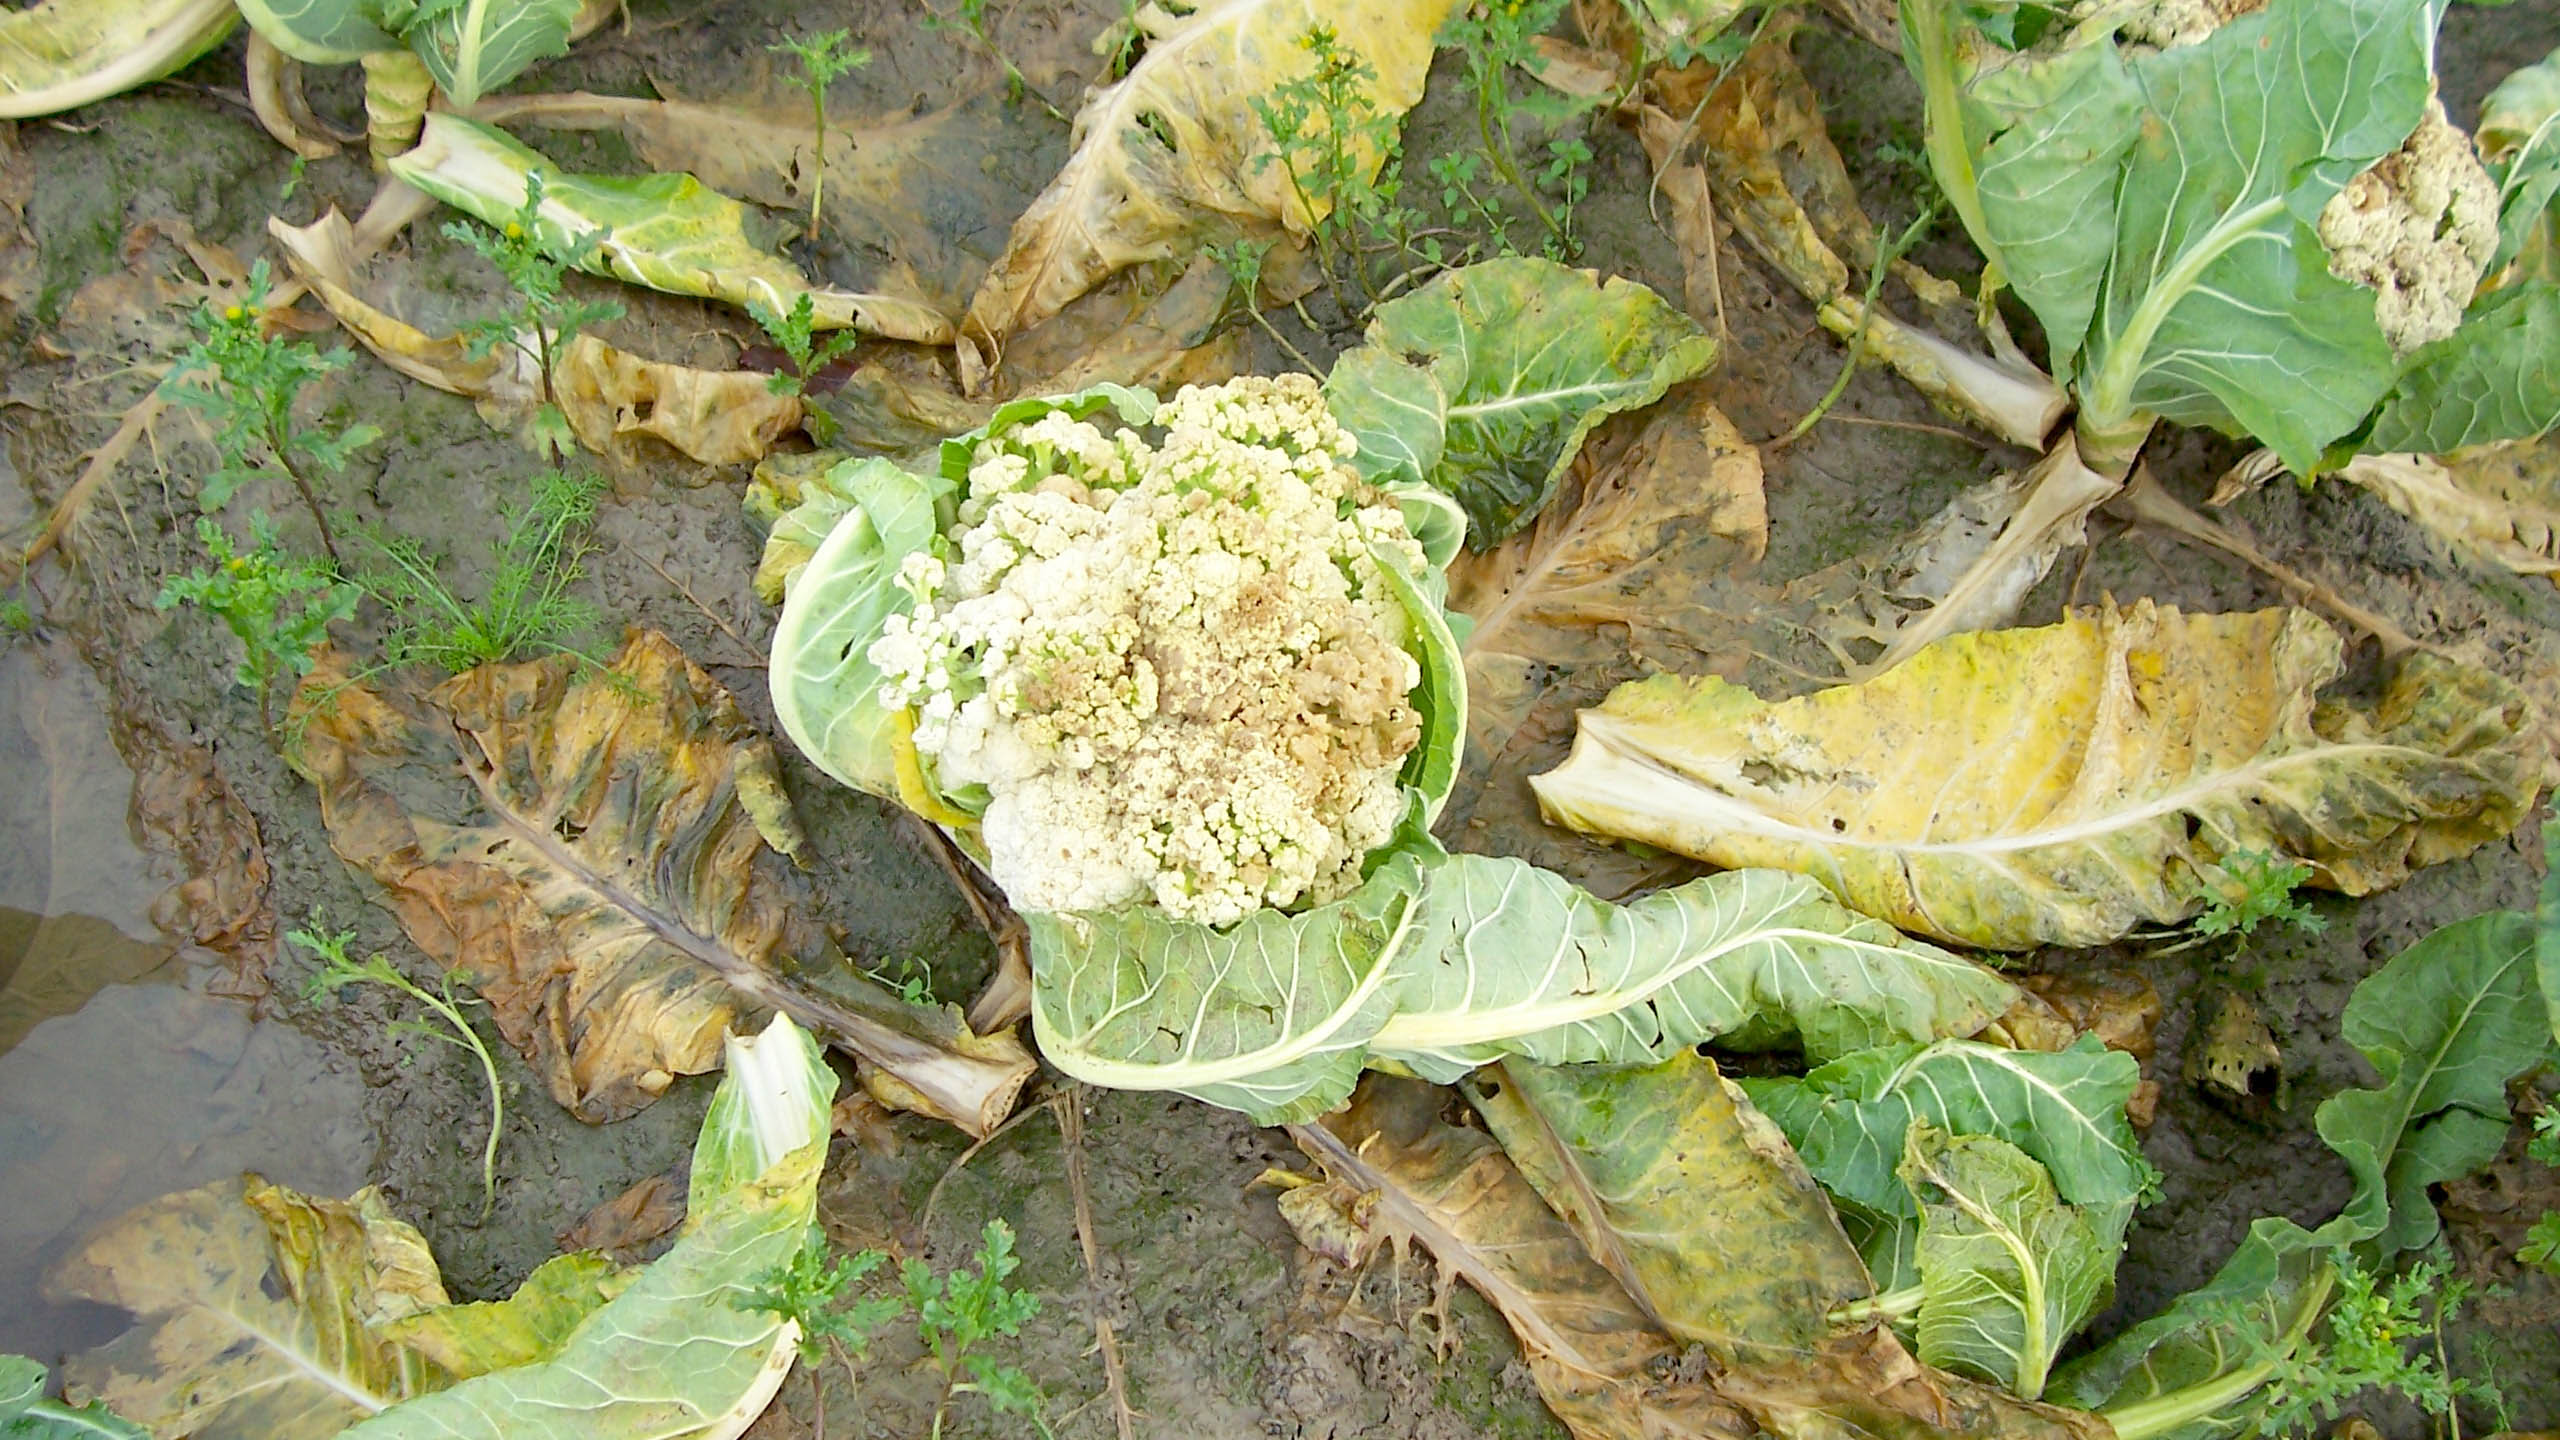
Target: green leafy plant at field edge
338, 970
280, 607
2382, 1335
526, 607
247, 383
2256, 887
794, 333
2541, 1248
546, 317
955, 1316
824, 58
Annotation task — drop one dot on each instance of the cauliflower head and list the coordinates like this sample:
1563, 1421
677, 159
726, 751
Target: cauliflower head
1177, 667
2417, 228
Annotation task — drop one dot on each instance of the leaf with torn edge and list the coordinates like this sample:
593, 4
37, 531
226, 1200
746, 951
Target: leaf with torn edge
2501, 501
609, 395
1484, 382
680, 1353
256, 1312
1693, 1202
524, 1328
2007, 1271
1177, 153
2063, 785
667, 232
615, 884
60, 54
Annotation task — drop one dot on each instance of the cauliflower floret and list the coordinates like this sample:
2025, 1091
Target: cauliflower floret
2418, 228
1178, 668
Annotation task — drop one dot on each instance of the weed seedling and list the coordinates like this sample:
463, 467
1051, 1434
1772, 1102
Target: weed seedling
2381, 1336
246, 384
1494, 37
824, 58
338, 970
811, 1290
15, 618
973, 24
961, 1311
2256, 888
809, 353
280, 607
1242, 261
913, 981
2541, 1248
546, 317
526, 608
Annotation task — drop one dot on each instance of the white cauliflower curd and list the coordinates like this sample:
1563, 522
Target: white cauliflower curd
2417, 227
1177, 667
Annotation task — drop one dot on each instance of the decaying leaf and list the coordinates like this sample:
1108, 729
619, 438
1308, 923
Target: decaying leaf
2033, 787
718, 417
668, 232
2233, 1051
1484, 382
2501, 501
1610, 556
60, 54
256, 1312
615, 885
627, 1226
608, 394
524, 1328
1399, 1172
1177, 153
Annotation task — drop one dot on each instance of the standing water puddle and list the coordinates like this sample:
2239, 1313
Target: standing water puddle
114, 1092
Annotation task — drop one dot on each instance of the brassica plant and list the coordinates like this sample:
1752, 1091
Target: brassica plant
1184, 683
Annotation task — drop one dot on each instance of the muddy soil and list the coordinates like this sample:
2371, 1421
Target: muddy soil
1226, 1327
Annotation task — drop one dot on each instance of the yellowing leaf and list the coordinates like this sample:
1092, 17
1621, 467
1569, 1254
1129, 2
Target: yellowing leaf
256, 1312
1176, 153
668, 232
65, 53
621, 898
609, 395
2500, 501
2063, 785
523, 1329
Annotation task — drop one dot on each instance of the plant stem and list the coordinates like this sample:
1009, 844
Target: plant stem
1499, 152
310, 498
1889, 1305
818, 181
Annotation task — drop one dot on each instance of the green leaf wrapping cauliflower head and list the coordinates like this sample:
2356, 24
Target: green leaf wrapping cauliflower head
1178, 669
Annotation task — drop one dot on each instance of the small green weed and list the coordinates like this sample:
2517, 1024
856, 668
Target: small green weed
2541, 1248
338, 970
1326, 133
15, 618
1242, 260
2256, 888
824, 58
956, 1315
1496, 37
2381, 1335
794, 333
280, 607
247, 383
972, 22
546, 317
527, 607
912, 980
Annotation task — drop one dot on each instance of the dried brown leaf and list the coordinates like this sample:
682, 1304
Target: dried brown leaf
613, 886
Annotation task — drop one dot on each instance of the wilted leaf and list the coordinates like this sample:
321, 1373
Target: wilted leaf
717, 417
1692, 1200
2502, 502
2030, 787
257, 1312
1177, 152
1613, 554
681, 1353
65, 53
323, 256
2008, 1270
1594, 1353
1849, 1119
628, 1225
1484, 382
523, 1329
668, 232
613, 886
2233, 1048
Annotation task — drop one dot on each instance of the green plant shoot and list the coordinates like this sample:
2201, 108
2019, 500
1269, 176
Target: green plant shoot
526, 608
2257, 888
546, 317
793, 332
823, 57
338, 970
247, 384
280, 607
959, 1312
